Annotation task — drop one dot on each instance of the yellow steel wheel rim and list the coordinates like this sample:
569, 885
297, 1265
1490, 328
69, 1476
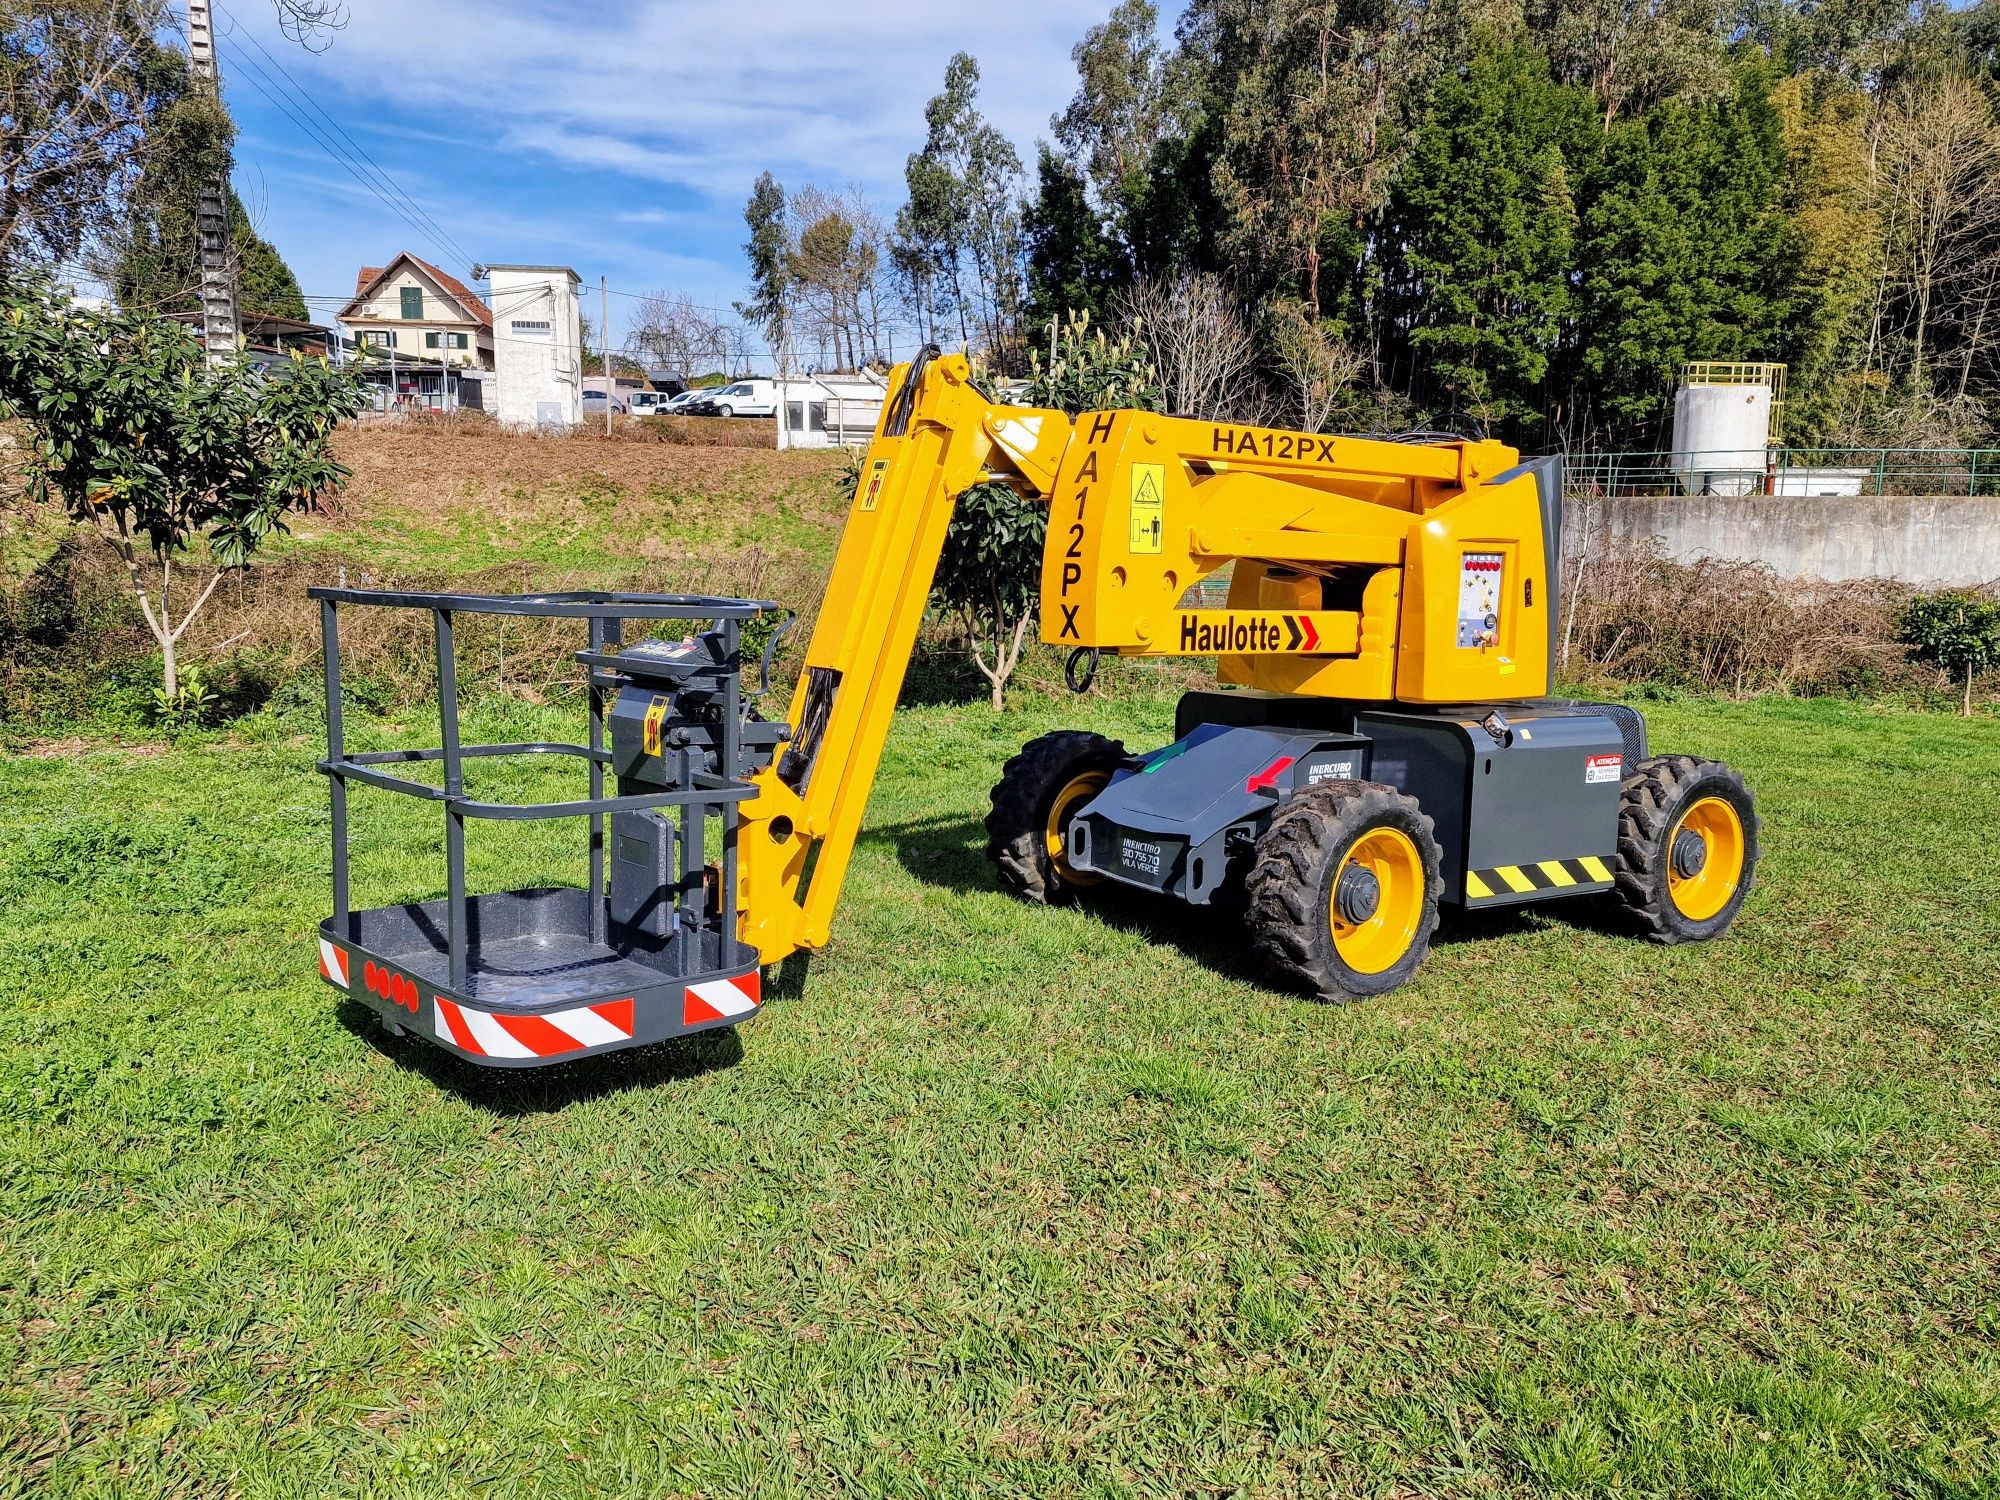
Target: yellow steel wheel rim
1379, 942
1075, 791
1704, 893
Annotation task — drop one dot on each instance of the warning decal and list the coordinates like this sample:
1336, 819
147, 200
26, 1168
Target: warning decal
1603, 768
1149, 500
656, 713
873, 491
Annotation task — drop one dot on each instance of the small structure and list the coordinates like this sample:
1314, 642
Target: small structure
829, 411
538, 346
420, 314
1726, 416
270, 340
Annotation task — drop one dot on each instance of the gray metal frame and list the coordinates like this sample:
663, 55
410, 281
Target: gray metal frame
606, 615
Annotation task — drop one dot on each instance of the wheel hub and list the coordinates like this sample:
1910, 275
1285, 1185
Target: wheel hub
1359, 895
1690, 854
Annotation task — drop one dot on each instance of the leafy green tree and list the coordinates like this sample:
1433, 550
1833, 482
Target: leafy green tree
1074, 264
769, 249
1679, 250
962, 224
173, 463
1957, 631
989, 572
1479, 266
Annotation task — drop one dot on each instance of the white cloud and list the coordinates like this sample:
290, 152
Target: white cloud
512, 121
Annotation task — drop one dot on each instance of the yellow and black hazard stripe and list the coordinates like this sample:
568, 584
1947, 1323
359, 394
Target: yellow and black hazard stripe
1512, 882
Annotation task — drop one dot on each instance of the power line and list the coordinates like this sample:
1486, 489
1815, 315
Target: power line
312, 103
257, 78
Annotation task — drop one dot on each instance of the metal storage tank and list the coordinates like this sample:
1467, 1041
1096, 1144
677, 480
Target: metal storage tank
1725, 418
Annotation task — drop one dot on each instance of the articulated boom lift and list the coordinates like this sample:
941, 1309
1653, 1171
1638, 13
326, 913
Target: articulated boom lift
1380, 742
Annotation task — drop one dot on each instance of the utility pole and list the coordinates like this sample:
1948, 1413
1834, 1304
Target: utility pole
218, 281
604, 320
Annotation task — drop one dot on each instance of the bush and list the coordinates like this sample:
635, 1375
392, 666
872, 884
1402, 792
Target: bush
1631, 615
1956, 631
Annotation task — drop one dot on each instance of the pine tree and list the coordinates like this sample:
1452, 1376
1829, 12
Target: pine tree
1479, 237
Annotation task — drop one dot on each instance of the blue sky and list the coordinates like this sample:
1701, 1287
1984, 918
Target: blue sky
620, 139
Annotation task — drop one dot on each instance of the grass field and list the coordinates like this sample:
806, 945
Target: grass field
1002, 1200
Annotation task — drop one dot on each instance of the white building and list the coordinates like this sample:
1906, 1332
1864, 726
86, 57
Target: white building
829, 411
537, 346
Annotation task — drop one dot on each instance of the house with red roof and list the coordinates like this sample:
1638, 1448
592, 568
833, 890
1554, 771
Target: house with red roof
423, 323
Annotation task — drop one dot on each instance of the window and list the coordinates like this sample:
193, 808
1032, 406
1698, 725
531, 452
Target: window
456, 341
413, 302
430, 341
379, 338
445, 341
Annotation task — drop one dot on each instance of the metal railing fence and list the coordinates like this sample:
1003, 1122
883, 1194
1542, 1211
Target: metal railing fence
1790, 472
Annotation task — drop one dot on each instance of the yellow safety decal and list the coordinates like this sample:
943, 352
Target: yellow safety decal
656, 713
1548, 877
872, 492
1149, 501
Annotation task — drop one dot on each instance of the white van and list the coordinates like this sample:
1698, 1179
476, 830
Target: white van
647, 403
755, 397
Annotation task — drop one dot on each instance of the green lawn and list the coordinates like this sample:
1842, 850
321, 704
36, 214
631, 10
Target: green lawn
1004, 1200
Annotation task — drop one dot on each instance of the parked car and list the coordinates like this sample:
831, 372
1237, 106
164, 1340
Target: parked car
744, 398
595, 402
650, 403
683, 403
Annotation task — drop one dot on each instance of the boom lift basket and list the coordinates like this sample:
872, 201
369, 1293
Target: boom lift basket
650, 949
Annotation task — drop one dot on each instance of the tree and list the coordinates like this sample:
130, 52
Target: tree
1632, 54
1112, 125
1478, 258
1311, 96
80, 83
1195, 333
1958, 631
1678, 251
834, 263
989, 572
86, 89
678, 334
141, 441
1938, 150
769, 248
961, 229
1316, 367
1073, 263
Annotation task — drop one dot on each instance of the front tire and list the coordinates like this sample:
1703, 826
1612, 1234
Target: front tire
1687, 847
1028, 826
725, 411
1343, 890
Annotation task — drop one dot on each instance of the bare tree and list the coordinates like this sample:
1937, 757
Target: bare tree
1315, 366
1938, 168
673, 331
1199, 343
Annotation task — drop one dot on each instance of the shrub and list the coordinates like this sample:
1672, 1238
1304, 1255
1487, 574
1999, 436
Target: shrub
1956, 631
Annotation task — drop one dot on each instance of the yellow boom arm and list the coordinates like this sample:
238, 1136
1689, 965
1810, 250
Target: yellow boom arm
1362, 569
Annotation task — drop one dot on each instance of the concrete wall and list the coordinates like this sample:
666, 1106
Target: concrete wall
1924, 540
537, 346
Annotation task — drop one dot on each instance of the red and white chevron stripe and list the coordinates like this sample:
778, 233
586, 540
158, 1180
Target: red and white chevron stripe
722, 999
332, 964
487, 1034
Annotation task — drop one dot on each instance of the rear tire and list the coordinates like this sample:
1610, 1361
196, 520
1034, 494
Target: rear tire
1037, 790
1343, 890
1687, 847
